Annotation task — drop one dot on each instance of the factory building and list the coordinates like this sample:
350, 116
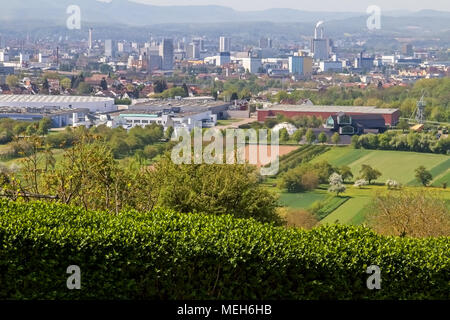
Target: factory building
93, 104
361, 118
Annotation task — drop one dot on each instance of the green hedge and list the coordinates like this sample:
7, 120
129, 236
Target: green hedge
167, 255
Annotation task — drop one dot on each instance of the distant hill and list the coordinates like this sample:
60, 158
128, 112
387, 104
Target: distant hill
138, 14
44, 15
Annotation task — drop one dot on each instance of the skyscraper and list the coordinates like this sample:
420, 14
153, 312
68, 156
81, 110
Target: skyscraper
225, 44
265, 43
166, 53
320, 45
90, 39
110, 48
300, 65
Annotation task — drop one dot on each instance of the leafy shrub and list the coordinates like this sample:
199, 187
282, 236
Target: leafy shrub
167, 255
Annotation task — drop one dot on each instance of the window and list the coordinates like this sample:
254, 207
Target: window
347, 130
344, 119
145, 121
330, 122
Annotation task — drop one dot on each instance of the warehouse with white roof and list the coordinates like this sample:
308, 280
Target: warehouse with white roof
94, 104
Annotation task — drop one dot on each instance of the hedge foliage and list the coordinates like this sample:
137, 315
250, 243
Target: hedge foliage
167, 255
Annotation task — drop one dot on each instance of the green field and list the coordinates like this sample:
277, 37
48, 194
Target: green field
301, 200
396, 165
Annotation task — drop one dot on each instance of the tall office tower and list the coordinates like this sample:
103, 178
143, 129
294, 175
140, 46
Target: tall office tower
225, 44
90, 39
110, 48
200, 43
407, 50
265, 43
320, 45
193, 51
166, 53
300, 65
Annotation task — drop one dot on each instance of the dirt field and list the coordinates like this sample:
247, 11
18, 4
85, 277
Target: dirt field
263, 160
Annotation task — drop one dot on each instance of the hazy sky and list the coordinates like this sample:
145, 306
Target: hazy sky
314, 5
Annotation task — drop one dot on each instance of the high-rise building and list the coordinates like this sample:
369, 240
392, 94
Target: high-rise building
320, 46
364, 63
193, 50
90, 45
166, 53
110, 48
4, 57
300, 65
252, 65
200, 43
225, 44
223, 59
407, 50
265, 43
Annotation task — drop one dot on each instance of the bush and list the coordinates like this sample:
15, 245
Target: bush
167, 255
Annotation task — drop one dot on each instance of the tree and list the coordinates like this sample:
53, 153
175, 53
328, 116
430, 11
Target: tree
368, 173
159, 86
214, 189
310, 181
322, 137
105, 68
392, 184
65, 83
403, 124
345, 172
284, 135
298, 218
355, 142
186, 90
336, 138
423, 176
169, 132
44, 125
104, 84
234, 96
12, 81
360, 183
310, 136
336, 184
409, 213
298, 135
84, 88
45, 85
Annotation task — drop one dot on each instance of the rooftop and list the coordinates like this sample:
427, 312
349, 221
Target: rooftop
334, 109
50, 99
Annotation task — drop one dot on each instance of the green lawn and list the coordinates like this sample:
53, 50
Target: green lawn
351, 212
227, 122
397, 165
301, 200
342, 156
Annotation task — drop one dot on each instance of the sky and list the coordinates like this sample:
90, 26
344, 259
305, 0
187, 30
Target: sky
313, 5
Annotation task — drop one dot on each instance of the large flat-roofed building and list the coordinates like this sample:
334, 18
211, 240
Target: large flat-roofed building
389, 116
94, 104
